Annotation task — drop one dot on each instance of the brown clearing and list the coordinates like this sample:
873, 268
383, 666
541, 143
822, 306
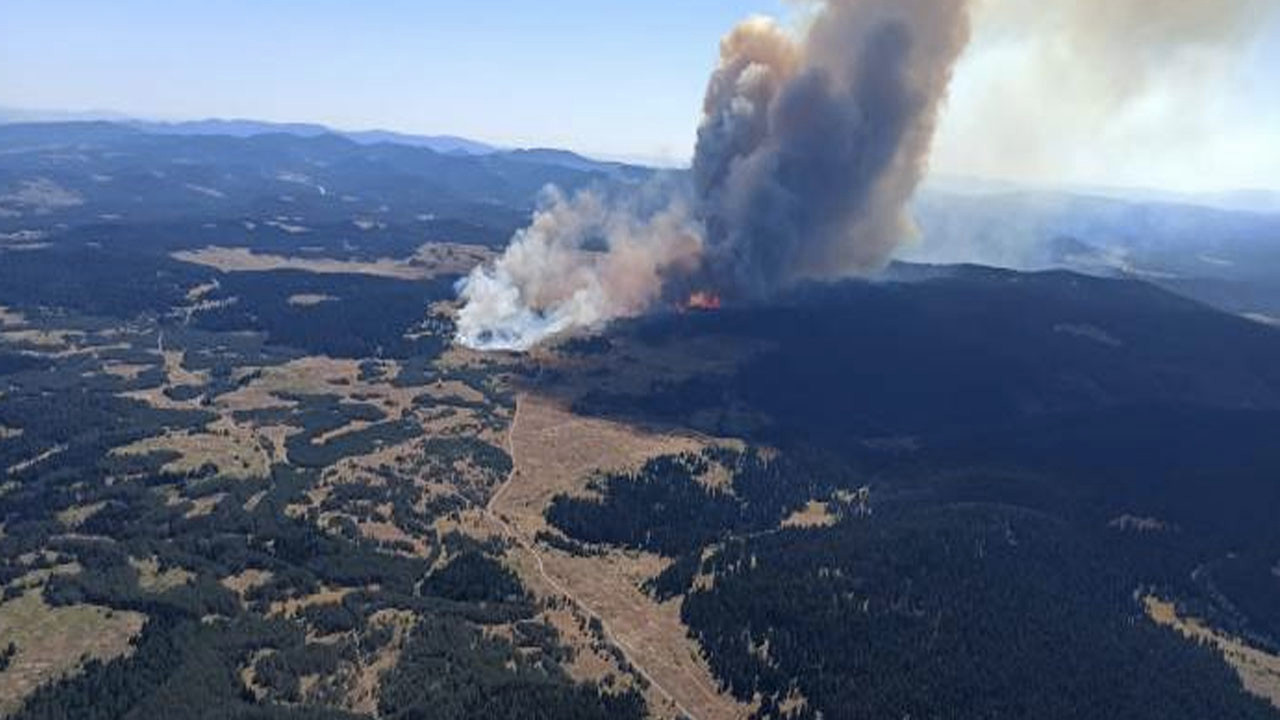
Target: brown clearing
204, 505
152, 579
814, 515
326, 596
234, 449
351, 427
125, 371
73, 517
1259, 671
241, 449
315, 374
246, 580
430, 260
177, 374
557, 452
43, 339
586, 665
51, 641
363, 694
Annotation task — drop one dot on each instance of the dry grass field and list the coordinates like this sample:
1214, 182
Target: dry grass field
556, 452
153, 579
1259, 671
429, 261
52, 640
815, 514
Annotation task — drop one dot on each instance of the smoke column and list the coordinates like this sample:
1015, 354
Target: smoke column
810, 146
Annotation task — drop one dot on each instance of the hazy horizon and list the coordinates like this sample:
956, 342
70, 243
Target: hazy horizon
1179, 103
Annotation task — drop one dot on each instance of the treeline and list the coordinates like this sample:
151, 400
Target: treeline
952, 611
665, 507
368, 317
201, 635
969, 593
449, 671
178, 669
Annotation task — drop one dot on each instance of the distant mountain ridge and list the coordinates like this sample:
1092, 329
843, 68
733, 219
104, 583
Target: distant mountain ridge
446, 144
81, 127
1253, 200
398, 194
242, 128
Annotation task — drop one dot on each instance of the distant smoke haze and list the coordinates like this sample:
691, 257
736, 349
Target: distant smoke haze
1156, 92
1116, 49
810, 147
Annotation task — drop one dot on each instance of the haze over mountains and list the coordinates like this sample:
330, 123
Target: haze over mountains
238, 433
1258, 200
1217, 248
447, 144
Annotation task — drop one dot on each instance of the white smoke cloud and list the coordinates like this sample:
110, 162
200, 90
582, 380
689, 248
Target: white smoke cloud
584, 260
811, 145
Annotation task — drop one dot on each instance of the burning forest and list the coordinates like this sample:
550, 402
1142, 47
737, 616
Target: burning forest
812, 142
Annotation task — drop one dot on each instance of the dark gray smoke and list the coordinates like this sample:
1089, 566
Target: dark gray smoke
810, 150
810, 147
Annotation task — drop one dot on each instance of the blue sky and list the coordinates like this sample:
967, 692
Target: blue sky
608, 76
621, 78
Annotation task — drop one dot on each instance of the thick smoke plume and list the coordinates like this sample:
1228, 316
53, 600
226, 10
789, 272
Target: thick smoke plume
810, 146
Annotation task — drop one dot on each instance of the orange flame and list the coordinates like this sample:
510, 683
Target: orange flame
703, 300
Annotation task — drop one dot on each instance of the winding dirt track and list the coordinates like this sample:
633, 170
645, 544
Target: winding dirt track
649, 635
